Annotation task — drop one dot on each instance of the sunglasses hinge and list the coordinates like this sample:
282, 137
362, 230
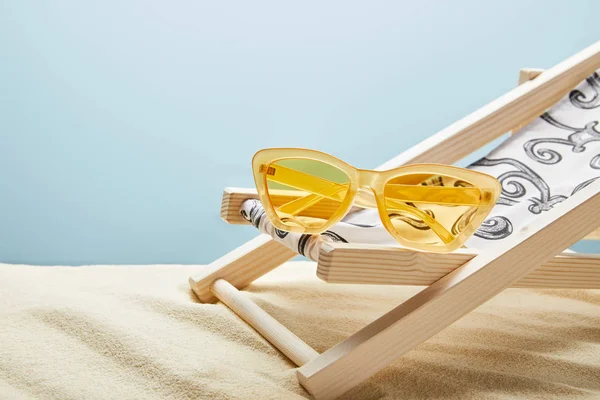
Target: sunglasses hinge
268, 170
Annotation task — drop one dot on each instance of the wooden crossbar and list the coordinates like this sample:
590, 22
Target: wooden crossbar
289, 344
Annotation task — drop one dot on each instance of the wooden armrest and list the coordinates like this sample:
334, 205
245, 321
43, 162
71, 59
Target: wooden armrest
232, 201
389, 265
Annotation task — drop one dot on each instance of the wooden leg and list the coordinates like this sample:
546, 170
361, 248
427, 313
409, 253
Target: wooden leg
361, 355
241, 266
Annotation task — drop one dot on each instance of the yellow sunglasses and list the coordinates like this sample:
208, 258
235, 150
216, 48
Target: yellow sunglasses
429, 207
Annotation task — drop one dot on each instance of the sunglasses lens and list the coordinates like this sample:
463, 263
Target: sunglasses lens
305, 193
431, 209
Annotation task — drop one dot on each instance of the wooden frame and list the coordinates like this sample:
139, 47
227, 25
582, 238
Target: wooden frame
454, 294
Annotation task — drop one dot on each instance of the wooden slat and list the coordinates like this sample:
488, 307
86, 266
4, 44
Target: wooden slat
231, 202
386, 265
278, 335
526, 75
434, 308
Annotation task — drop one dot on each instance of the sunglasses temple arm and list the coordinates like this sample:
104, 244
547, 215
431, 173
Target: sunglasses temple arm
460, 196
438, 228
335, 191
300, 204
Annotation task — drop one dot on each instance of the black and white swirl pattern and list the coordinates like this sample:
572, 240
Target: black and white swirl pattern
577, 140
495, 228
513, 190
587, 102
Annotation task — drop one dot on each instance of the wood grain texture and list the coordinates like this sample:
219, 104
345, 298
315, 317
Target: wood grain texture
386, 265
526, 75
231, 202
241, 266
278, 335
459, 292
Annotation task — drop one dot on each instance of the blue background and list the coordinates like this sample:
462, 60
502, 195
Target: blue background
122, 121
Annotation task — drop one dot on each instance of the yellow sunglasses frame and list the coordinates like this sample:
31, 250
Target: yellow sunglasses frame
488, 189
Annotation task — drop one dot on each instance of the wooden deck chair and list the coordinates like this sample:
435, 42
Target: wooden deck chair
532, 256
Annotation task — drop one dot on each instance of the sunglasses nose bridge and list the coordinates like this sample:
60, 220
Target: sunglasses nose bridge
365, 196
366, 178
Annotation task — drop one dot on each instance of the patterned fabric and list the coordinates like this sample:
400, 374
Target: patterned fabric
360, 227
545, 163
